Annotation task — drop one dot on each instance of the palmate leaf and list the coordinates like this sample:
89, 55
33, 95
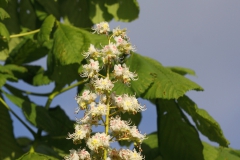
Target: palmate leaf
36, 115
50, 7
124, 10
12, 24
9, 149
204, 122
27, 14
76, 13
3, 14
182, 71
4, 37
26, 51
166, 84
98, 11
36, 156
150, 148
69, 44
178, 139
220, 153
46, 29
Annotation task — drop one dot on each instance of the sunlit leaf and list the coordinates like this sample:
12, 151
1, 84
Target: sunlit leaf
36, 156
46, 29
176, 134
204, 122
166, 84
9, 149
124, 10
26, 51
3, 14
182, 71
98, 11
219, 153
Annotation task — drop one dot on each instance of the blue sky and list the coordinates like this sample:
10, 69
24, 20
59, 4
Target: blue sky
201, 35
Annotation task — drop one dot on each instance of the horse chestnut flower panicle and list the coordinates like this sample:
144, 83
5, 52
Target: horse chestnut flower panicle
101, 106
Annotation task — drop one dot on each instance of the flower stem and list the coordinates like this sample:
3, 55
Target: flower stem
24, 34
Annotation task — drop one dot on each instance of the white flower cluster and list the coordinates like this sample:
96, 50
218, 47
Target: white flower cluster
102, 106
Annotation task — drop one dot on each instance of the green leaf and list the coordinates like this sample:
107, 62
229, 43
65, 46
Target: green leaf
3, 14
77, 15
36, 76
27, 15
9, 149
36, 115
46, 29
182, 71
26, 51
166, 84
12, 24
36, 156
4, 37
204, 122
150, 147
124, 10
219, 153
178, 139
98, 11
51, 7
62, 123
69, 43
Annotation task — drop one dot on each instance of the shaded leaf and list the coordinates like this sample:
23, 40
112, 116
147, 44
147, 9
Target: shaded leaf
182, 71
61, 121
175, 133
204, 122
13, 23
98, 11
150, 147
27, 14
26, 51
124, 10
78, 15
36, 156
36, 76
3, 14
220, 153
36, 115
46, 29
9, 149
51, 7
167, 84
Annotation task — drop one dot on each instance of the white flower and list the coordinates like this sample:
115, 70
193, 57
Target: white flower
128, 103
120, 32
84, 99
101, 28
118, 125
126, 154
81, 132
90, 69
98, 140
136, 134
118, 70
92, 51
73, 155
103, 84
83, 154
100, 110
